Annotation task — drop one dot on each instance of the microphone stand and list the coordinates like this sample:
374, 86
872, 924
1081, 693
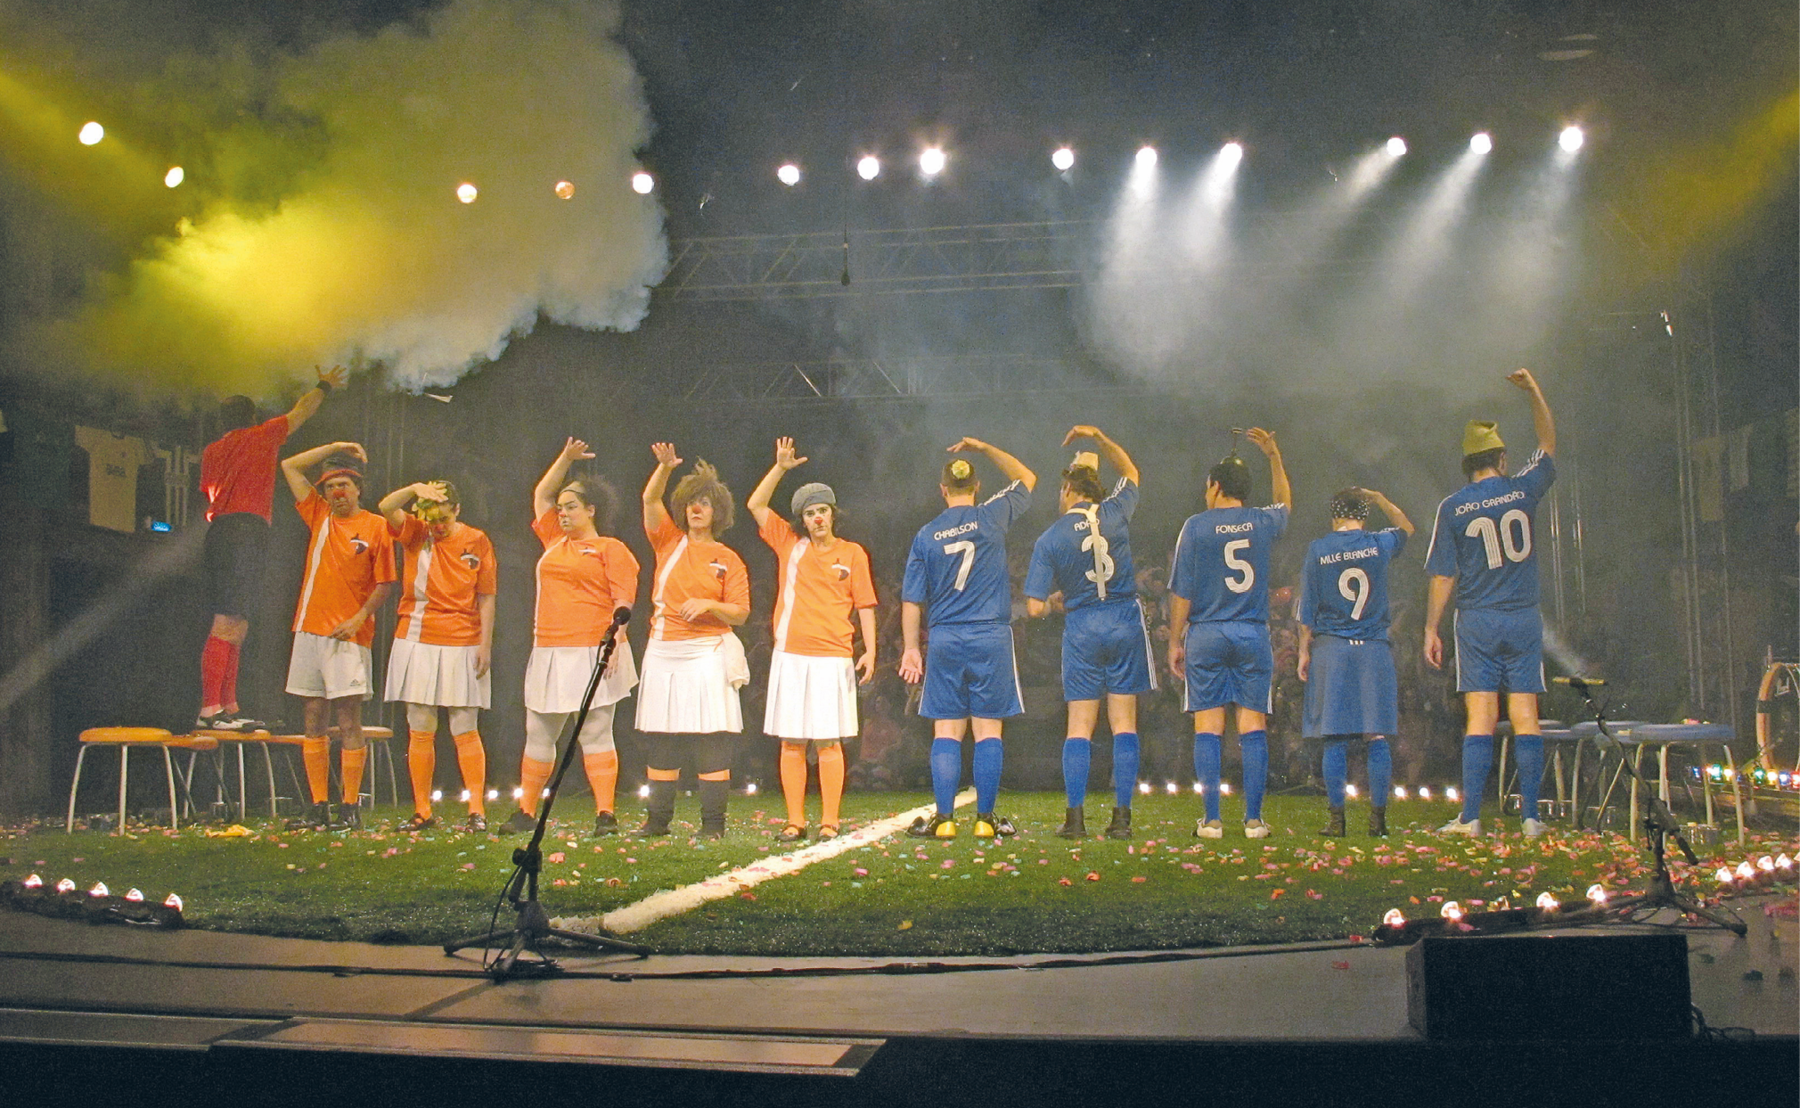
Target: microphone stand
533, 923
1660, 825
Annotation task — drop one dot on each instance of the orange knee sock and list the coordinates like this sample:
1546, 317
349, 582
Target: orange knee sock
603, 777
471, 758
353, 770
793, 781
532, 775
315, 752
831, 782
421, 764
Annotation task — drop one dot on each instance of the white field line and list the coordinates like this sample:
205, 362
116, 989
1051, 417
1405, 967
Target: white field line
673, 902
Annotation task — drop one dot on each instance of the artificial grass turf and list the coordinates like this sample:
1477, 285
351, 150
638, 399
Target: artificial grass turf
899, 896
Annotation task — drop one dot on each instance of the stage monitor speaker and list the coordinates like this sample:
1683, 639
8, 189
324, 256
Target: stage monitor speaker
1616, 986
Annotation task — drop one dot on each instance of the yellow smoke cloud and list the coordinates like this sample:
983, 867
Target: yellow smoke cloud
329, 229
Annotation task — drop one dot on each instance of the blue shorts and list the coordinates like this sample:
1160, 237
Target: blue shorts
1229, 663
1498, 650
970, 672
1351, 688
1106, 649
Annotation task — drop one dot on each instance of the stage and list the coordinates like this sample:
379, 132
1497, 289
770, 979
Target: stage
216, 1018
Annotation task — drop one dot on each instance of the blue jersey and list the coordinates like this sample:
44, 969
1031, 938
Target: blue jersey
1486, 537
1087, 567
1344, 589
957, 564
1221, 564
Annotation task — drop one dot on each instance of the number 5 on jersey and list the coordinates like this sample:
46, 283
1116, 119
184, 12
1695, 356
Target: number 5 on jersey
1242, 583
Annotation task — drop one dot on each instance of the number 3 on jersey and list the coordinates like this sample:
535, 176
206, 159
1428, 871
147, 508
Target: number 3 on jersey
967, 550
1511, 539
1240, 584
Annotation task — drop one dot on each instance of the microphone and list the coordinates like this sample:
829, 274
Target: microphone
1579, 684
621, 616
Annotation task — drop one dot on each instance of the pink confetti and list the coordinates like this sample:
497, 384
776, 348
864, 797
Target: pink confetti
554, 858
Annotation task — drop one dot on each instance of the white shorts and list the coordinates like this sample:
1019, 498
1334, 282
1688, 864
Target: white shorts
441, 676
811, 697
557, 677
328, 667
690, 686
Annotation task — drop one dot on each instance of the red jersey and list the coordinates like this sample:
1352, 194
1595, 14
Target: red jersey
580, 584
817, 590
237, 473
345, 560
688, 570
442, 581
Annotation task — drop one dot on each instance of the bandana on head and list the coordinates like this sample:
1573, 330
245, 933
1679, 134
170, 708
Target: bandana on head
1350, 505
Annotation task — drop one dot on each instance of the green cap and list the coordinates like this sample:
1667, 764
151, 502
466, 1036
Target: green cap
1481, 435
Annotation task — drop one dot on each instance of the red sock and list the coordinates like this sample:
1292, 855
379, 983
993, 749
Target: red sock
228, 688
215, 658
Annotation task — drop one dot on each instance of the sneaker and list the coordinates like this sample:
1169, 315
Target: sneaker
654, 827
605, 823
933, 827
418, 823
1334, 828
519, 823
1208, 829
349, 818
1255, 829
1458, 827
1120, 827
1074, 825
233, 722
990, 826
792, 833
1378, 822
476, 823
712, 829
315, 818
1532, 828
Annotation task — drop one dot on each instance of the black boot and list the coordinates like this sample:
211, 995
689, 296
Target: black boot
659, 809
1335, 829
712, 808
1074, 825
1378, 822
1120, 827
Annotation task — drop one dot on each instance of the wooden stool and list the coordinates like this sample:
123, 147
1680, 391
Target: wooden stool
124, 738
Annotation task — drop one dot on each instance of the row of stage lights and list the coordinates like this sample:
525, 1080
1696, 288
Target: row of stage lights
1757, 777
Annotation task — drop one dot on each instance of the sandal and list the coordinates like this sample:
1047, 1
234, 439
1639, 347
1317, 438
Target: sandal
792, 833
827, 832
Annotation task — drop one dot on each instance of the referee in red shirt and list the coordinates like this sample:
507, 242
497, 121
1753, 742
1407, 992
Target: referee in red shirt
237, 473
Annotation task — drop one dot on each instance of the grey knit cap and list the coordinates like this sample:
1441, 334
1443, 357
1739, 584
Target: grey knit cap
813, 492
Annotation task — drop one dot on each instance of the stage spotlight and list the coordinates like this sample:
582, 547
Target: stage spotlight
91, 133
1451, 910
1570, 139
750, 789
1451, 794
1424, 793
1231, 154
437, 795
174, 177
464, 797
642, 183
644, 792
565, 190
518, 792
788, 174
1597, 894
1146, 157
1143, 788
1396, 146
1224, 788
1063, 159
1548, 902
931, 161
1171, 788
1481, 143
1393, 917
1199, 789
869, 167
493, 794
99, 889
467, 192
1350, 791
1399, 792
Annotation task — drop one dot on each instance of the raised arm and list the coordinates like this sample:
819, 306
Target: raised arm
1012, 467
294, 468
543, 497
1391, 510
1113, 453
765, 489
393, 505
310, 400
655, 515
1541, 420
1278, 478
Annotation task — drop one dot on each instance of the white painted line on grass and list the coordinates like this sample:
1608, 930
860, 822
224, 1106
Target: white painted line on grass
673, 902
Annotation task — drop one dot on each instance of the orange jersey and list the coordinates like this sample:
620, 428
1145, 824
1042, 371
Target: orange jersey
816, 591
688, 570
440, 581
345, 560
580, 584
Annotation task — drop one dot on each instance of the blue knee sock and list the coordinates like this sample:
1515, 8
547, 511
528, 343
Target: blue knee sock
946, 773
1337, 765
1125, 767
1255, 748
1077, 754
989, 755
1478, 758
1531, 773
1206, 769
1381, 772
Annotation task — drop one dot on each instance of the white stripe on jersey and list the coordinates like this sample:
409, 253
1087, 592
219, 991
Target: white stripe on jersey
1149, 649
790, 574
420, 575
662, 579
998, 495
313, 557
1436, 518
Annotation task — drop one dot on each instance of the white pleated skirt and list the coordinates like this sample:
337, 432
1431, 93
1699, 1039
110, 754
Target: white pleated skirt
557, 677
690, 686
811, 697
444, 676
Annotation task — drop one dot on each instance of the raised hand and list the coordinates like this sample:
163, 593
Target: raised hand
335, 377
784, 454
574, 450
665, 454
430, 490
1522, 377
354, 449
1082, 431
1264, 440
968, 445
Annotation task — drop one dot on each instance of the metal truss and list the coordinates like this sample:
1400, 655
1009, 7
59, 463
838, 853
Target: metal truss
880, 379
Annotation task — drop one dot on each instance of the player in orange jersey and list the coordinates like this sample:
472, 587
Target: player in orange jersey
821, 580
349, 573
444, 639
693, 664
583, 578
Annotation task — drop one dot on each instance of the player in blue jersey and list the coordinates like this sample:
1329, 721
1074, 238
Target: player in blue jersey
1345, 657
1219, 593
1483, 546
956, 577
1084, 561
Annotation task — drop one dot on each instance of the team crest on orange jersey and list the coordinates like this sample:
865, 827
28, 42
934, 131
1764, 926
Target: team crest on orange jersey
842, 571
471, 559
358, 545
718, 569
